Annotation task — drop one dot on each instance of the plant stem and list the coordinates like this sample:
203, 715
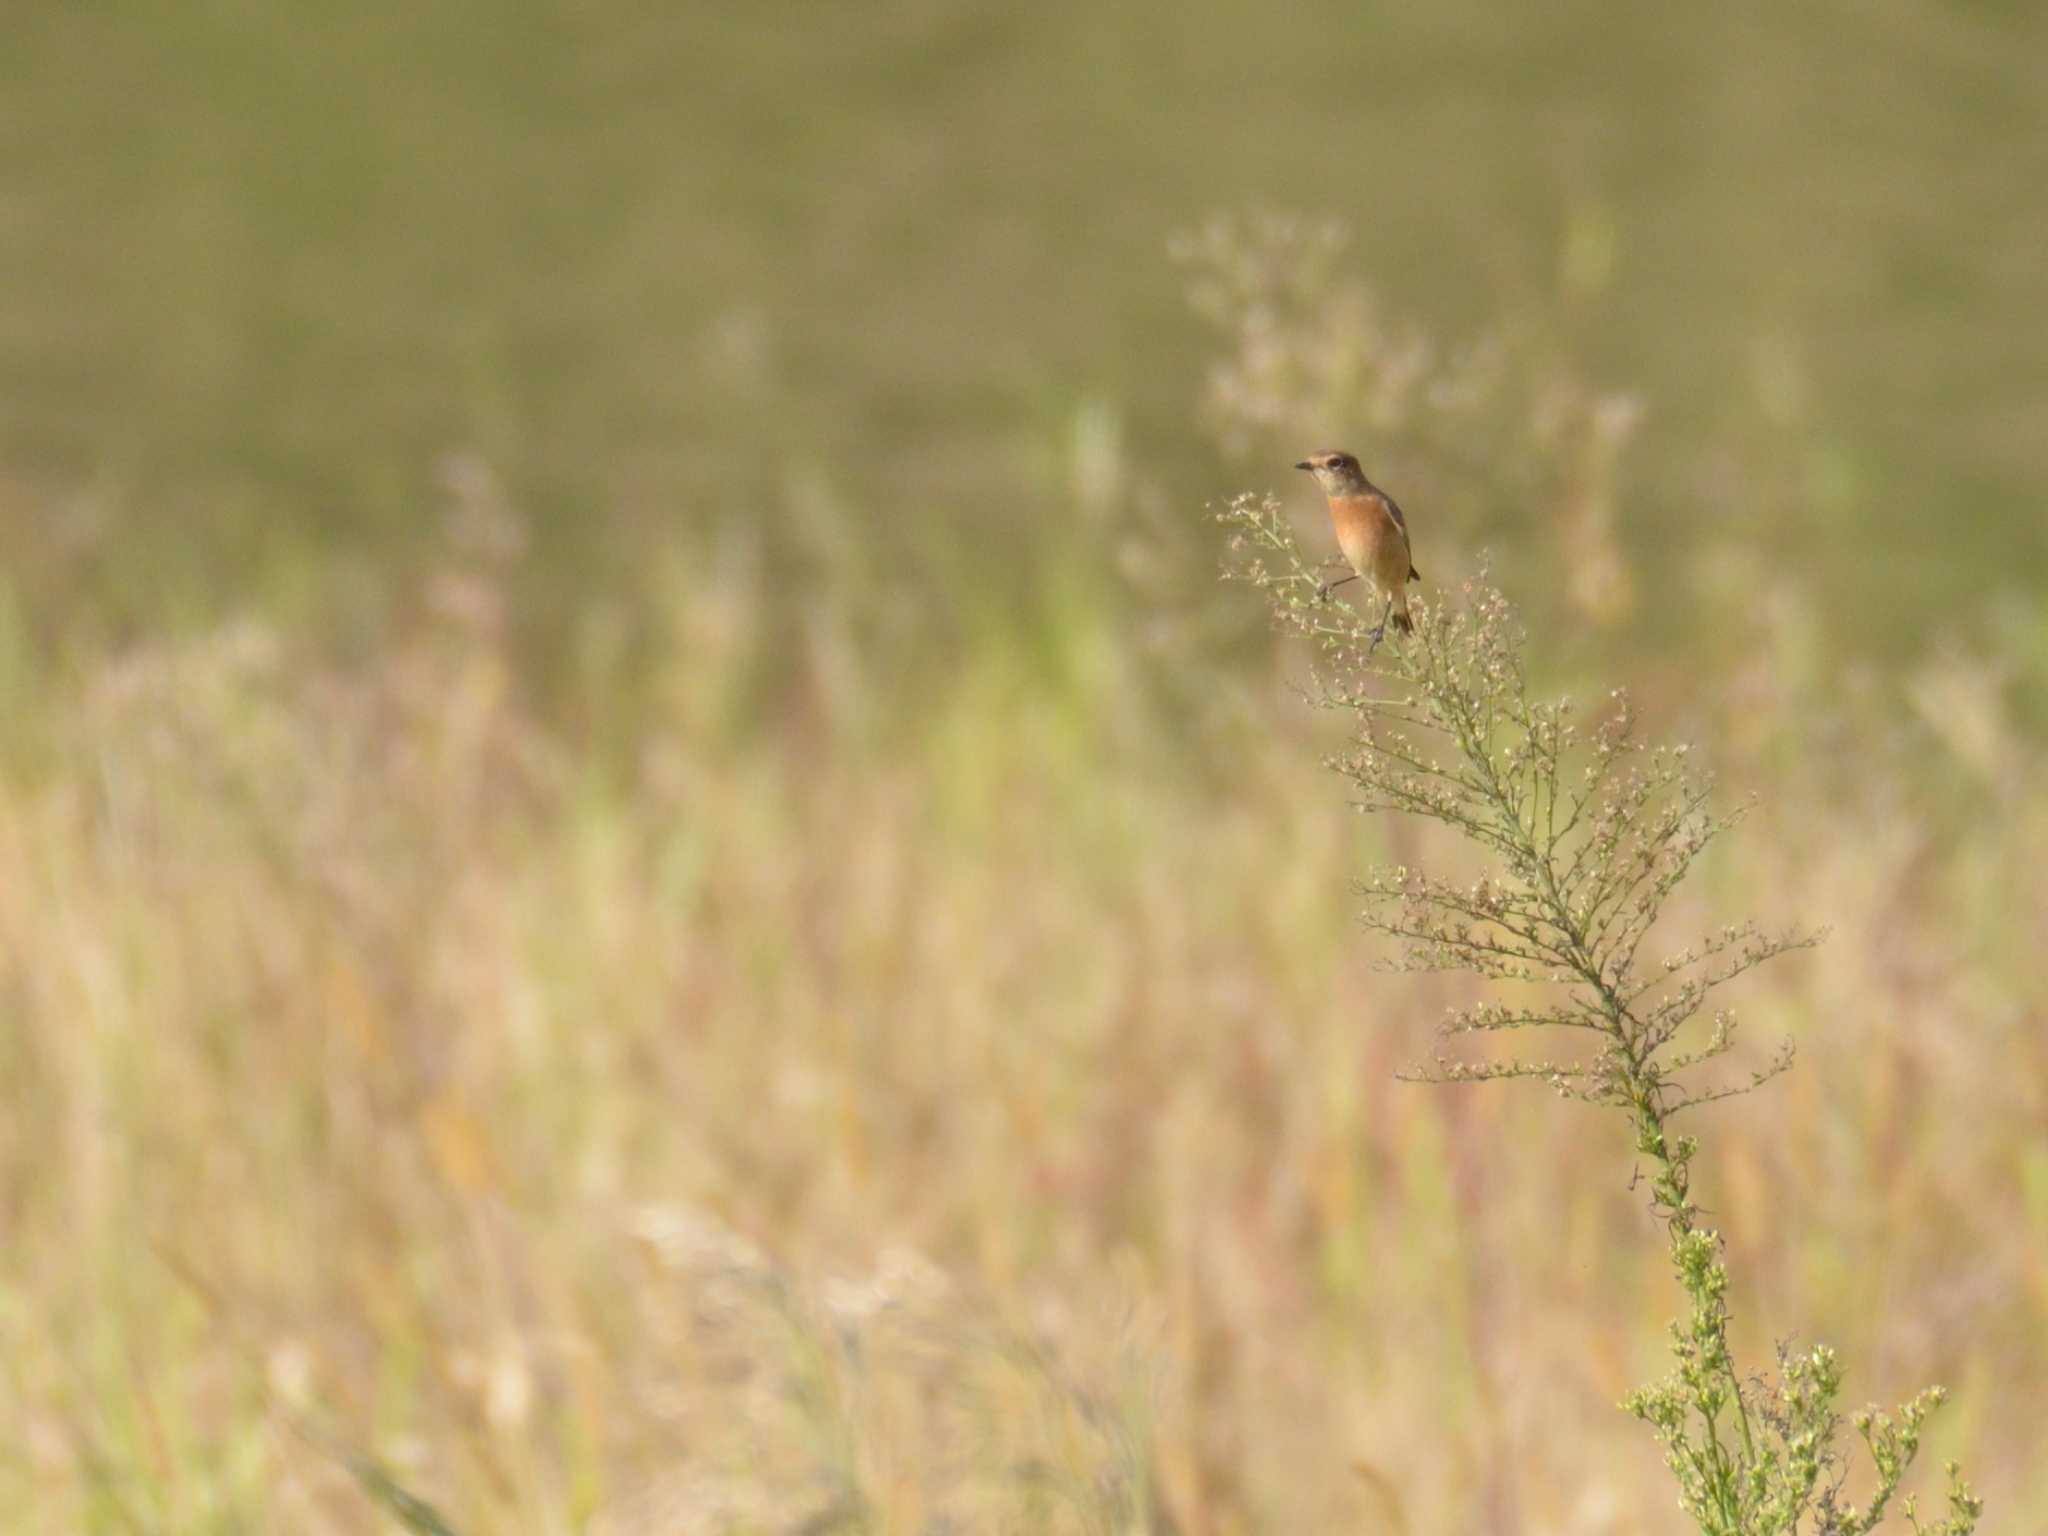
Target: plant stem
1638, 1082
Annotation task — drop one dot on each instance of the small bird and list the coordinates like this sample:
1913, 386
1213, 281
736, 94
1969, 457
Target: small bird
1372, 533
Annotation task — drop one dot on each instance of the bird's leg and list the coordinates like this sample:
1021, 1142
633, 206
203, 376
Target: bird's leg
1323, 592
1379, 630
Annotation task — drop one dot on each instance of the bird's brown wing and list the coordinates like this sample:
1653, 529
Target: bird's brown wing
1401, 522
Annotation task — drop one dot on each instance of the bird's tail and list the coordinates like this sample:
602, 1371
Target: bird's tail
1402, 622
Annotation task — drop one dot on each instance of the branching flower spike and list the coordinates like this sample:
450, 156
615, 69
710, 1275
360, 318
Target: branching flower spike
1586, 832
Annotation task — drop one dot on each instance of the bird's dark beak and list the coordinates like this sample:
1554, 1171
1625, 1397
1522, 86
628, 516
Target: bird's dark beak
1304, 464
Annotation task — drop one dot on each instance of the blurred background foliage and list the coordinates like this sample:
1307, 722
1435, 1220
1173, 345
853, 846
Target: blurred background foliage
642, 873
678, 270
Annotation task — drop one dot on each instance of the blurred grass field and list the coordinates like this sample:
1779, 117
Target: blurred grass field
644, 880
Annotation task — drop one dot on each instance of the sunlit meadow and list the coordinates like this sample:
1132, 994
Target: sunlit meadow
693, 912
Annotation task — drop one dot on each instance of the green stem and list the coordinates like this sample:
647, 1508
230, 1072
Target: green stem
1641, 1086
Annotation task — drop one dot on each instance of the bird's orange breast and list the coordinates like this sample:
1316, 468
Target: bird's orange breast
1372, 541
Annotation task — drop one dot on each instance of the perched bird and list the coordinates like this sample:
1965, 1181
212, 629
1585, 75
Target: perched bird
1372, 533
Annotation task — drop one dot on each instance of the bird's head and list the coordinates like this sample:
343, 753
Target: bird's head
1336, 472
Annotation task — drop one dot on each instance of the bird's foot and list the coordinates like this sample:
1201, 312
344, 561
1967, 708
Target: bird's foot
1322, 591
1379, 633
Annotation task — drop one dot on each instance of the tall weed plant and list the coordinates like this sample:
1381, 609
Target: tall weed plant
1583, 832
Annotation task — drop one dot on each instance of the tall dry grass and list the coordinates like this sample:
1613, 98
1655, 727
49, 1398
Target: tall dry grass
1002, 1129
982, 1122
